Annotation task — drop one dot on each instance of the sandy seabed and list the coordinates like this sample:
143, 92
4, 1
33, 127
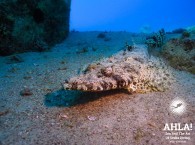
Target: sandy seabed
51, 115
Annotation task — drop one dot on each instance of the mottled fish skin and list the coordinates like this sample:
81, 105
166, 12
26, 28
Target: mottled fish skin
133, 71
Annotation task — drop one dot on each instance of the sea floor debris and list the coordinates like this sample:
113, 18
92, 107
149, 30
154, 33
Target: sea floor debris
132, 70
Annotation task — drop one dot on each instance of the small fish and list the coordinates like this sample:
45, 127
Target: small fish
178, 105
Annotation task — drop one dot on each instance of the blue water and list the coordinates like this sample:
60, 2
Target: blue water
131, 15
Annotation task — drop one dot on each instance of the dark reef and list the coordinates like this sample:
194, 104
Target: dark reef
32, 25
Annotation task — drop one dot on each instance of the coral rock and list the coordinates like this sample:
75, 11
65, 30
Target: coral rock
134, 71
180, 53
32, 25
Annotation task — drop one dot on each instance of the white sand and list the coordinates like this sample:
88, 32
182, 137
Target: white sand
114, 117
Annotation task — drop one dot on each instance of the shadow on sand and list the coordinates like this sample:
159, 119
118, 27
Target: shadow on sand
66, 98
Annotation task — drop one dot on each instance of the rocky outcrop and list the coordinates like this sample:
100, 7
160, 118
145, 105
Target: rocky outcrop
32, 25
180, 53
132, 70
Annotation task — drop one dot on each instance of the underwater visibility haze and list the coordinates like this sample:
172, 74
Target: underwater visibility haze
131, 15
97, 72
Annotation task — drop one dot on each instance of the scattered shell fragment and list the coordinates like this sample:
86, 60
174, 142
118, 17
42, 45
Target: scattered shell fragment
91, 118
26, 92
4, 112
63, 116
